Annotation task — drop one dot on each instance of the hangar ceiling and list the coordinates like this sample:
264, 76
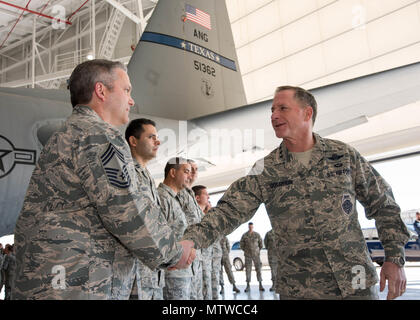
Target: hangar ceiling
41, 41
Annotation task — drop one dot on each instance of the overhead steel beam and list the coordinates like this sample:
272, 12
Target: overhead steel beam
125, 11
34, 12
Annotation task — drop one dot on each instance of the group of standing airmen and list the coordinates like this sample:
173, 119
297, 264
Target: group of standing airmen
92, 220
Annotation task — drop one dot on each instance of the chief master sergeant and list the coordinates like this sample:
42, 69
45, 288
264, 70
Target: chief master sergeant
84, 219
309, 186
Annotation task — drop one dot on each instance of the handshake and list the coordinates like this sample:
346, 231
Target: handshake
188, 255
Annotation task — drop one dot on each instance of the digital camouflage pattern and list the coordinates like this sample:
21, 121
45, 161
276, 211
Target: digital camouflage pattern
150, 283
176, 218
207, 254
84, 219
313, 214
216, 265
224, 243
177, 288
251, 244
270, 245
194, 215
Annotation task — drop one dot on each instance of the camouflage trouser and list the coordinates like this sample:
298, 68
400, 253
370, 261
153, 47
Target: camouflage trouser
145, 293
215, 276
177, 288
273, 262
366, 294
151, 294
207, 294
228, 269
197, 281
248, 266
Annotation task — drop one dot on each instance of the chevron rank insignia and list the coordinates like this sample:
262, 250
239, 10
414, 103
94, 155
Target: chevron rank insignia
115, 167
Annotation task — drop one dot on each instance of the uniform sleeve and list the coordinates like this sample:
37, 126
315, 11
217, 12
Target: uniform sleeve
416, 227
238, 205
260, 244
375, 194
108, 176
242, 242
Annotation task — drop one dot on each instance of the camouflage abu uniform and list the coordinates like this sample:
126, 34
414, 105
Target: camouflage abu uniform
177, 282
224, 243
216, 265
251, 244
313, 213
9, 267
270, 245
194, 215
150, 283
207, 254
84, 219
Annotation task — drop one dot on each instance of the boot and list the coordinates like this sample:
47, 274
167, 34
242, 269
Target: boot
222, 290
235, 289
272, 288
247, 287
261, 287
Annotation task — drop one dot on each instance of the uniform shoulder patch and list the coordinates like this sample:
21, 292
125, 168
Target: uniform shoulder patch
115, 167
346, 204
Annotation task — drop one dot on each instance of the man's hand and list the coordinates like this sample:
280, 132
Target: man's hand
188, 255
397, 281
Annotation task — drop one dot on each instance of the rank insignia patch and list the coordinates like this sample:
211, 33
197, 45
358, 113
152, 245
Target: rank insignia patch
346, 204
115, 167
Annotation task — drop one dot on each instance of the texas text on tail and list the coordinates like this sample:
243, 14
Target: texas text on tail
186, 77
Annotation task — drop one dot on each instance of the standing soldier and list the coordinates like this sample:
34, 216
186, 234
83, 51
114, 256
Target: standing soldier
194, 215
202, 198
142, 138
84, 219
216, 265
9, 267
270, 245
251, 244
224, 242
177, 174
309, 186
1, 266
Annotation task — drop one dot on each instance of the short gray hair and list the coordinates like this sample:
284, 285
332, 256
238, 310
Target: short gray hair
304, 97
84, 77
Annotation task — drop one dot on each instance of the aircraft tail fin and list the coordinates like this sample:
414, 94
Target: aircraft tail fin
185, 64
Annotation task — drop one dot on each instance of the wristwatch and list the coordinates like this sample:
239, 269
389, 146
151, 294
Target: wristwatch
399, 261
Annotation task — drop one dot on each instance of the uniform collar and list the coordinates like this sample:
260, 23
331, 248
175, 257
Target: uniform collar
284, 157
168, 189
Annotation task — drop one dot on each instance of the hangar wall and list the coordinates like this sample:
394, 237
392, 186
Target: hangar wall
311, 43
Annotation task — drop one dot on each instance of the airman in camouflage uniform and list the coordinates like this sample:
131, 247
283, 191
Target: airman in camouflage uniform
194, 215
202, 198
142, 138
251, 244
177, 170
312, 208
84, 219
270, 245
216, 265
224, 243
9, 267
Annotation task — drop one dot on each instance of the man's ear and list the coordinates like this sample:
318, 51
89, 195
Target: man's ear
100, 91
308, 113
132, 141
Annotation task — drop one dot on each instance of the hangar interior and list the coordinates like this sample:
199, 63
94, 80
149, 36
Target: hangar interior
308, 43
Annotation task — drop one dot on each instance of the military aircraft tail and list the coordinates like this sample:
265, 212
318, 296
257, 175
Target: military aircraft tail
185, 64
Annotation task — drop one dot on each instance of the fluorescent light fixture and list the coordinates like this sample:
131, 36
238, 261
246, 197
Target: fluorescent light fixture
344, 125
